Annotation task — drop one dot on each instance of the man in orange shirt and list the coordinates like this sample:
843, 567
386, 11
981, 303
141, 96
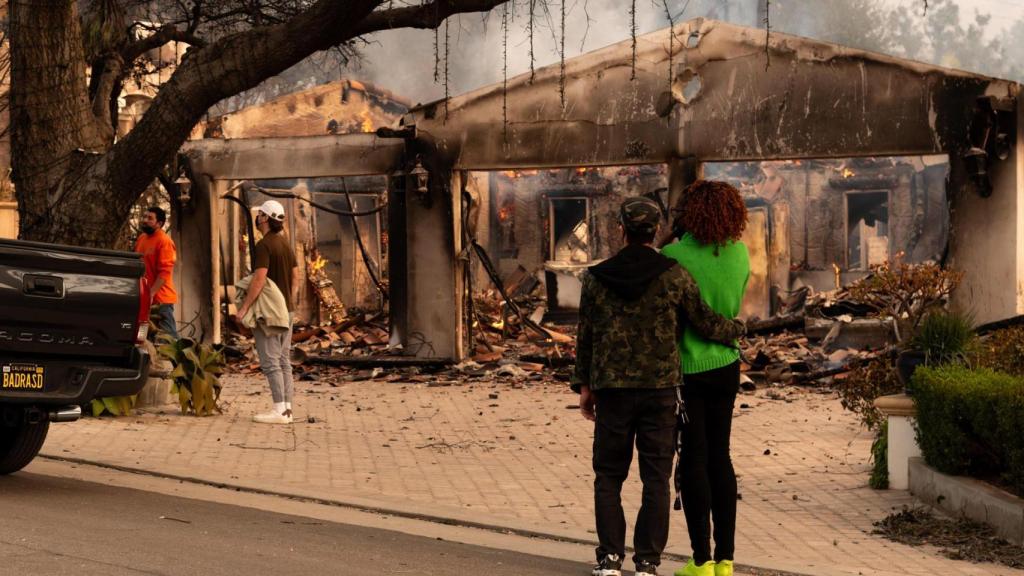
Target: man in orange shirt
159, 254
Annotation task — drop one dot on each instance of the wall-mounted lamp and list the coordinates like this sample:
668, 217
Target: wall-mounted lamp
184, 190
420, 180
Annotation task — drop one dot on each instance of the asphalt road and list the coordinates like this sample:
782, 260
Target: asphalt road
54, 525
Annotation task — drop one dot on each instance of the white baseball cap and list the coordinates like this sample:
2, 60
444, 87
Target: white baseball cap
273, 209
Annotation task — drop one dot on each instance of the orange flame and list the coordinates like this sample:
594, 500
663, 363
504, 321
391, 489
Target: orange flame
847, 173
366, 123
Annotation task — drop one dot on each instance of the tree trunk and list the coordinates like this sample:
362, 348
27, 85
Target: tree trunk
54, 136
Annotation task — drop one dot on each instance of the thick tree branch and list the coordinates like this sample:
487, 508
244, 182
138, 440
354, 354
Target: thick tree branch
163, 35
109, 78
241, 61
425, 16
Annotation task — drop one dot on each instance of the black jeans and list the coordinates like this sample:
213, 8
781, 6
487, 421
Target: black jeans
648, 419
705, 475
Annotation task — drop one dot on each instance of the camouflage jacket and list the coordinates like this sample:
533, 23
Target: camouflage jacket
631, 343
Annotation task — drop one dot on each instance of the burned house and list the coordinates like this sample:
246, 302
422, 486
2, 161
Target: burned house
823, 222
846, 156
322, 240
555, 223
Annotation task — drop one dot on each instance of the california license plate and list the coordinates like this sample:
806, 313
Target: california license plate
22, 377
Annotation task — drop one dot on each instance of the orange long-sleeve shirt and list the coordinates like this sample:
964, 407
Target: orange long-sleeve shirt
159, 254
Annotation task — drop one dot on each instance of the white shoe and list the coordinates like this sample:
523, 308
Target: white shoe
272, 417
609, 565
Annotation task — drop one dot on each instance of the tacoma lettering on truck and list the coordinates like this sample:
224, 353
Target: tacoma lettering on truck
44, 338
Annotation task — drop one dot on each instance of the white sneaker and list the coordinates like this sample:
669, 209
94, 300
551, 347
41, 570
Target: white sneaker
272, 417
608, 565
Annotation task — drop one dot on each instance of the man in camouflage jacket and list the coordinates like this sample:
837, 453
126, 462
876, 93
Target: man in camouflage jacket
632, 312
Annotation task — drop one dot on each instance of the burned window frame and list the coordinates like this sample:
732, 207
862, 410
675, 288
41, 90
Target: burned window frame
847, 194
549, 198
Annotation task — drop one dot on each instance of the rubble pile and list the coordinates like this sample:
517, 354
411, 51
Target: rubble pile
358, 335
508, 343
511, 341
817, 335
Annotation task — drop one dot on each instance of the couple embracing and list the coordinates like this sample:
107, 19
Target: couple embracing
657, 367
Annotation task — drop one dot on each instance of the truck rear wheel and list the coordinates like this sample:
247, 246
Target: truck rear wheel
20, 443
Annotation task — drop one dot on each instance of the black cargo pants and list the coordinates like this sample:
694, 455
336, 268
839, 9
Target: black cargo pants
646, 418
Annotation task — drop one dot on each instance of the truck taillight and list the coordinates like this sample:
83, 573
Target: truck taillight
143, 318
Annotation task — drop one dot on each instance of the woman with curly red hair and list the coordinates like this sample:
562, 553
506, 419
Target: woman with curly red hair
711, 219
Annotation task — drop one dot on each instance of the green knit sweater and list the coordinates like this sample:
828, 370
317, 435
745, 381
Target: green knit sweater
722, 280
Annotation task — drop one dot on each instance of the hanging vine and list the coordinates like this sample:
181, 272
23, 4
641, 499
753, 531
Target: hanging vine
671, 43
504, 71
632, 34
561, 55
447, 43
437, 55
767, 33
530, 27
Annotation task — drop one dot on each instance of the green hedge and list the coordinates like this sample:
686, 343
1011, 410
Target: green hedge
971, 422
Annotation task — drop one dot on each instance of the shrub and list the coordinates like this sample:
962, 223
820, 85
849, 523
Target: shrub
1002, 351
969, 422
945, 338
879, 479
113, 405
864, 384
905, 292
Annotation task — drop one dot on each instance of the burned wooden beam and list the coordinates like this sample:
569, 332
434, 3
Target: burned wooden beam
776, 324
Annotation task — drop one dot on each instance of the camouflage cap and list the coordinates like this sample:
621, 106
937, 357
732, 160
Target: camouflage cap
640, 215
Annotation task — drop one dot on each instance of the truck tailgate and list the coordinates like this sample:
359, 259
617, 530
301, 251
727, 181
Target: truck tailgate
67, 301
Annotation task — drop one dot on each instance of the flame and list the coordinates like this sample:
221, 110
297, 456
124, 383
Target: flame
500, 325
514, 174
318, 264
366, 123
581, 170
505, 213
847, 173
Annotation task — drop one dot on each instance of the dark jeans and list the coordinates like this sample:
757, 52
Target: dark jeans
705, 475
648, 419
167, 324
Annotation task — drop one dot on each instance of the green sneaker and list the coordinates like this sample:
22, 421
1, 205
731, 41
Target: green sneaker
691, 569
723, 568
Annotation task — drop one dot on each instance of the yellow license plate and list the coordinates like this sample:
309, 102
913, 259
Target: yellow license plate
22, 377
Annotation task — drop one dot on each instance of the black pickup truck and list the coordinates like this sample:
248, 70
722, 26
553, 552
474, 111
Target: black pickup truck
72, 321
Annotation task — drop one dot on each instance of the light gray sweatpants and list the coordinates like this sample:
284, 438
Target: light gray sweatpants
274, 345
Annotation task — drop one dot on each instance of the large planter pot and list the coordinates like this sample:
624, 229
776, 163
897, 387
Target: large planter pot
906, 363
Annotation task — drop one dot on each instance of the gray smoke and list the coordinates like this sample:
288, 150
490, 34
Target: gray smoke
403, 60
954, 33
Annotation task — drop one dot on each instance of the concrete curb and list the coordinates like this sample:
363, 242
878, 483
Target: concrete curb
973, 499
446, 517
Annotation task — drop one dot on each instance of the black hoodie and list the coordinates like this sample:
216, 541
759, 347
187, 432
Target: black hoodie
631, 271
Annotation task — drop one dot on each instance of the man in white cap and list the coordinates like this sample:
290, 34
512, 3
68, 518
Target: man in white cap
274, 261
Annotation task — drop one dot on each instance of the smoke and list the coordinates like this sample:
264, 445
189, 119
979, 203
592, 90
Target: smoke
404, 60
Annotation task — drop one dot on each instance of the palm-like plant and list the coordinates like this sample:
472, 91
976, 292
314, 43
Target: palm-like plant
196, 370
